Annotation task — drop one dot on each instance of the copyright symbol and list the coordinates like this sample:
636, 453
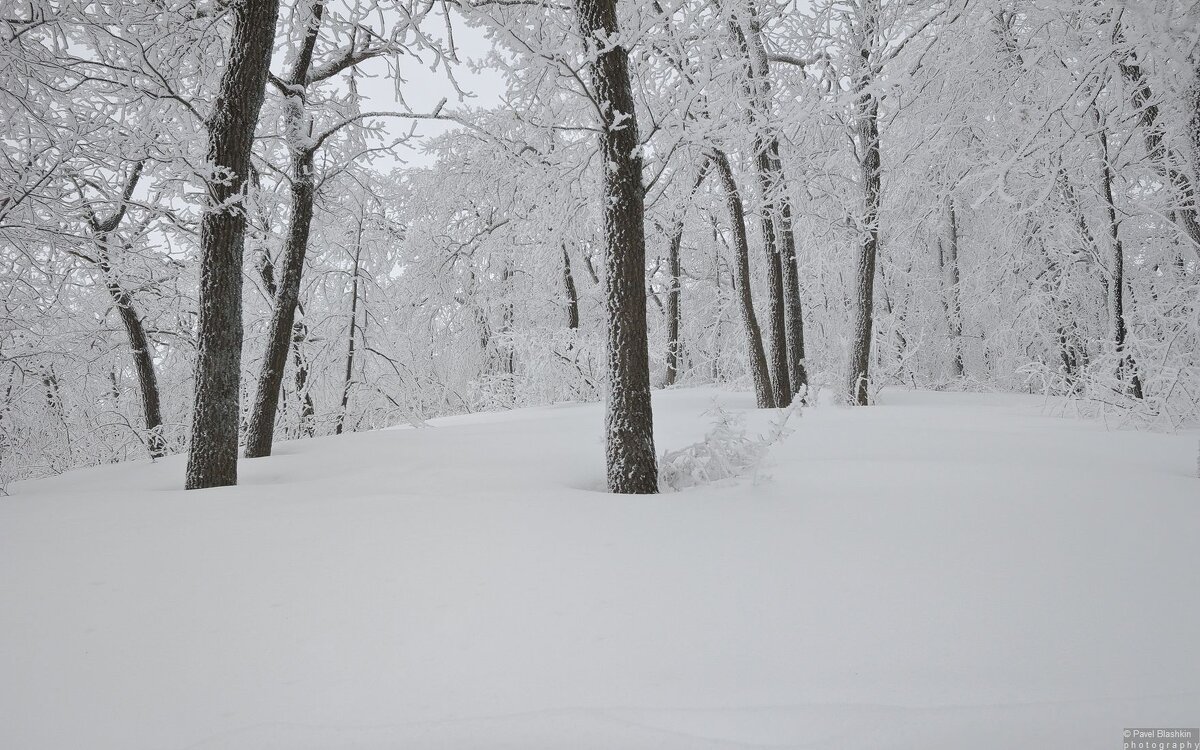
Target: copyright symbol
1128, 733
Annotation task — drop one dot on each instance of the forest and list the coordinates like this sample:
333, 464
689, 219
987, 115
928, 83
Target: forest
599, 374
212, 234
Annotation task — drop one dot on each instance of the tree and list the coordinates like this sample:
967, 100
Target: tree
212, 455
629, 421
103, 229
304, 141
764, 394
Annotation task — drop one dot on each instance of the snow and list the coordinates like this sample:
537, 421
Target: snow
939, 571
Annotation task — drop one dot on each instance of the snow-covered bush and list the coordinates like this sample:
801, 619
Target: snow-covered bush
726, 451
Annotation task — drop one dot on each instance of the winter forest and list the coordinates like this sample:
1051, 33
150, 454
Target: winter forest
876, 295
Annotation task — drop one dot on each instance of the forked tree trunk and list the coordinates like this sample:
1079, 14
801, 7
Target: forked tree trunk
281, 333
858, 385
266, 271
135, 330
212, 455
776, 316
629, 420
763, 394
261, 431
786, 321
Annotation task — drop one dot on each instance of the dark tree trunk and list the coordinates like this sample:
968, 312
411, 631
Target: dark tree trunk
507, 352
280, 335
629, 420
212, 455
266, 271
308, 411
776, 315
1126, 367
261, 432
950, 277
785, 322
763, 393
674, 316
858, 385
349, 376
797, 371
572, 292
143, 361
139, 346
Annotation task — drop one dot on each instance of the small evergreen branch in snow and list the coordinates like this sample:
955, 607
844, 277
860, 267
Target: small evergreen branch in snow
727, 451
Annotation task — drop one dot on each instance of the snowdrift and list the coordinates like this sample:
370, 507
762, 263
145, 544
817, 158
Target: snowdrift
940, 571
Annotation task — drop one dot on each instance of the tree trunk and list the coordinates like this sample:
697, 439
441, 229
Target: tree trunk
797, 371
858, 385
572, 292
1184, 213
139, 347
1126, 367
212, 455
266, 271
950, 277
143, 361
308, 426
283, 331
348, 379
763, 393
674, 346
261, 431
786, 319
673, 305
629, 420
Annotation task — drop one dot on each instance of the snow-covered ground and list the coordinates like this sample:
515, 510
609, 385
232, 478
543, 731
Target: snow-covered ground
940, 571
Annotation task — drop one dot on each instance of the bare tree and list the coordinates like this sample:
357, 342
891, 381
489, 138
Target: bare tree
629, 420
212, 454
764, 394
102, 229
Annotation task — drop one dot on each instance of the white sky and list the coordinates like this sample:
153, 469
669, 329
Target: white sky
423, 89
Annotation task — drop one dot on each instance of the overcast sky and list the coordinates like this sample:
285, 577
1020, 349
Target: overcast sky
423, 89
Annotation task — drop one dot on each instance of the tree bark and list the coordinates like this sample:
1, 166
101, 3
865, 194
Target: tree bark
1126, 367
1184, 214
139, 346
629, 421
348, 378
950, 277
571, 291
673, 314
764, 395
139, 350
674, 346
793, 313
858, 385
784, 309
261, 432
212, 455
